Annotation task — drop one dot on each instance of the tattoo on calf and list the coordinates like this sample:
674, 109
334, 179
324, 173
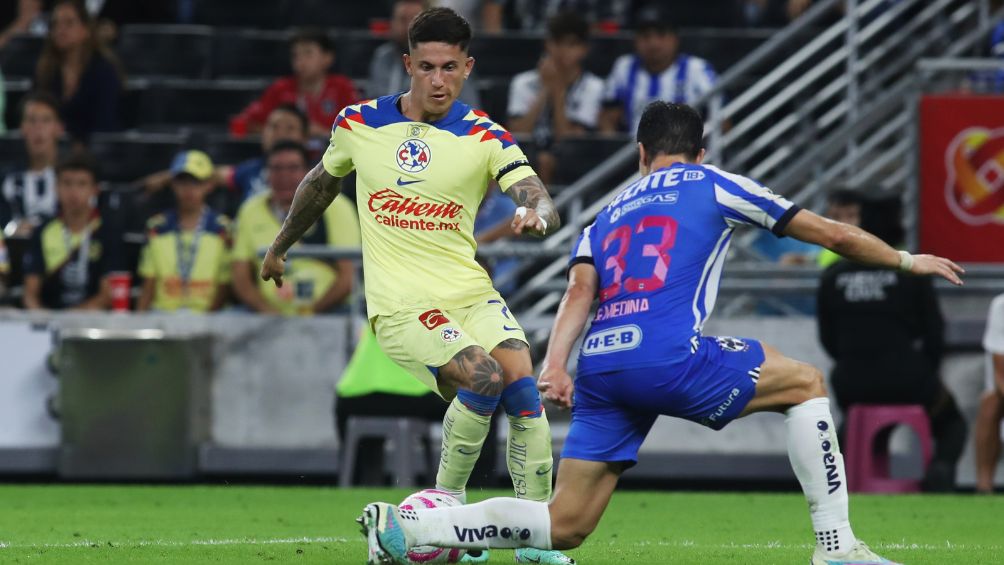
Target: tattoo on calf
485, 373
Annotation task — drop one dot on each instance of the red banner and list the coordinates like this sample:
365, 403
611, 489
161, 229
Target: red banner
962, 177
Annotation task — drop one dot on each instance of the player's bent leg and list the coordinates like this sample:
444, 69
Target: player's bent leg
783, 383
477, 377
583, 492
797, 390
581, 496
987, 439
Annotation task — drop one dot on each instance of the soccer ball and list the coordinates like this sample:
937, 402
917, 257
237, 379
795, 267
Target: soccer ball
424, 499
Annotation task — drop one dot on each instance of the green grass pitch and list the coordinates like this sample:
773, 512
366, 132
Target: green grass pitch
60, 524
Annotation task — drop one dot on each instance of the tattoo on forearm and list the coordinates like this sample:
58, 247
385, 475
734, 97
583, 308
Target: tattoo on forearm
484, 372
316, 192
530, 192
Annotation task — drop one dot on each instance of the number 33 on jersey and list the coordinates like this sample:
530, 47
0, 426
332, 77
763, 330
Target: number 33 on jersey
667, 234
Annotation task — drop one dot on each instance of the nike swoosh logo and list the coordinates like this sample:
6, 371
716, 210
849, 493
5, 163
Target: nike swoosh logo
508, 329
406, 182
543, 472
461, 450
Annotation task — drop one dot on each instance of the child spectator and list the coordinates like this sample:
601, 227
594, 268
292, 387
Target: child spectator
70, 255
185, 264
559, 98
312, 88
29, 195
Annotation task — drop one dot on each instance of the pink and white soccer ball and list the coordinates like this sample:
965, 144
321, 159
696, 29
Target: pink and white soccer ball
431, 498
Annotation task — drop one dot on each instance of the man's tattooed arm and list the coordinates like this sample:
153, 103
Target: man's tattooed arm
316, 192
530, 192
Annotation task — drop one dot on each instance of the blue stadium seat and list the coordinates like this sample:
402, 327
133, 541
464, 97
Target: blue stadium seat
505, 55
245, 53
201, 105
604, 50
224, 150
577, 156
166, 51
18, 57
353, 14
494, 94
126, 157
353, 52
240, 13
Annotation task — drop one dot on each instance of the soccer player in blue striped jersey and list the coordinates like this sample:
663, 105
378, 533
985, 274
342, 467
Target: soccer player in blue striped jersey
654, 258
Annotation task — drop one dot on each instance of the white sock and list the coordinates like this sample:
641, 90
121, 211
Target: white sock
460, 495
817, 462
494, 523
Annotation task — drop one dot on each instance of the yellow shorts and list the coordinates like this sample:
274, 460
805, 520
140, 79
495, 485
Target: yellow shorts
426, 338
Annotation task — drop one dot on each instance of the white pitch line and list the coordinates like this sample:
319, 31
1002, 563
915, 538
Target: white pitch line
902, 546
169, 543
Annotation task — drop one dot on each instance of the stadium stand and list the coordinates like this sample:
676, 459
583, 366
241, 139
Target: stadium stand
153, 51
17, 58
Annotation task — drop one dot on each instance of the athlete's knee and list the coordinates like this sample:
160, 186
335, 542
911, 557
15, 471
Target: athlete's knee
811, 383
473, 369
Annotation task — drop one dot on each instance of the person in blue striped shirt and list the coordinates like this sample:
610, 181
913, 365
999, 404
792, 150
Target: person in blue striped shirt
656, 71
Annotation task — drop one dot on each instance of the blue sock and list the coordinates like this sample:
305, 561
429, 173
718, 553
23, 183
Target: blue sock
521, 399
480, 404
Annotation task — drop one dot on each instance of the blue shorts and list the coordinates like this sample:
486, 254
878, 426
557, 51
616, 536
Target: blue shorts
613, 412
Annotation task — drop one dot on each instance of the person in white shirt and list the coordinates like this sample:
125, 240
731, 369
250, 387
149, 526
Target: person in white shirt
988, 421
656, 71
559, 98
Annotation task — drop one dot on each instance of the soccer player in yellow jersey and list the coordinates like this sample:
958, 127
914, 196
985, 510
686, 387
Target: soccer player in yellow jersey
423, 162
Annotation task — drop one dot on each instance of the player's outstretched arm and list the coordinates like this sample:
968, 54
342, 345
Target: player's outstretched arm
555, 382
856, 244
316, 192
536, 213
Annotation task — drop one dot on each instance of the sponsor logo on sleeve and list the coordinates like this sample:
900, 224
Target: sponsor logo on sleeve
621, 338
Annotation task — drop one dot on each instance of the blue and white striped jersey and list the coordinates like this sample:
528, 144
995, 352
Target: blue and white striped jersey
631, 87
659, 249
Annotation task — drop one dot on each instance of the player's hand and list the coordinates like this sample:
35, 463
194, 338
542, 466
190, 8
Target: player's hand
273, 267
557, 386
934, 265
527, 219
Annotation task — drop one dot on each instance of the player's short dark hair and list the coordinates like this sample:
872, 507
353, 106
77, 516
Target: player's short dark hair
291, 108
671, 129
568, 25
440, 25
313, 35
39, 97
78, 161
289, 145
845, 196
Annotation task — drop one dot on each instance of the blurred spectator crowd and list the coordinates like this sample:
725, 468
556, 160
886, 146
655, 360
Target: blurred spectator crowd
154, 148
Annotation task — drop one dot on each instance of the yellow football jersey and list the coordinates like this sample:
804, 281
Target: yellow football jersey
418, 189
188, 266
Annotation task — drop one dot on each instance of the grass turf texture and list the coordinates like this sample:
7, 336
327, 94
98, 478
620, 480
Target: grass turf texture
240, 524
